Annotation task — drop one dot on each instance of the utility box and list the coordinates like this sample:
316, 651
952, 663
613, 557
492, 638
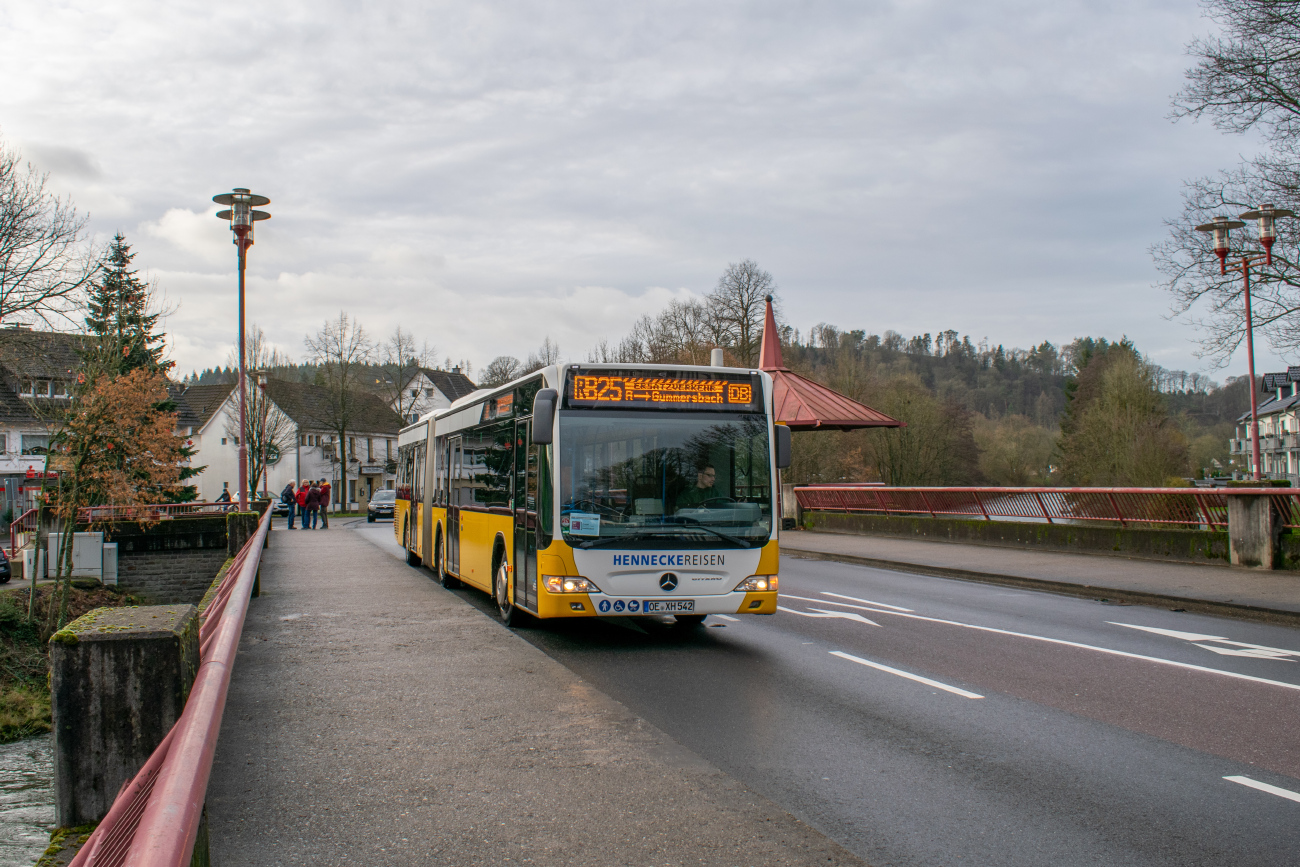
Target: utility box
110, 564
33, 563
87, 554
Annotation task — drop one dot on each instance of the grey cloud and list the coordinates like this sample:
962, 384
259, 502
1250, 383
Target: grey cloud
66, 161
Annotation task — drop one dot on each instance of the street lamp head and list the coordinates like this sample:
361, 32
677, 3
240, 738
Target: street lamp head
241, 214
1220, 226
261, 379
1267, 216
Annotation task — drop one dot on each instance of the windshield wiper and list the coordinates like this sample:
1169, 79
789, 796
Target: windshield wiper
648, 534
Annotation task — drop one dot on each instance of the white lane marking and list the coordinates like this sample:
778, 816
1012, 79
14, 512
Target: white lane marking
916, 677
839, 615
1156, 659
1265, 787
727, 617
1254, 651
865, 601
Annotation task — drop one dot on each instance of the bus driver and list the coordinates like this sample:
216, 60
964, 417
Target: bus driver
705, 476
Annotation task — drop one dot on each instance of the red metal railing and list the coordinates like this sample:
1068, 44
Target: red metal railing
155, 819
24, 523
151, 512
1187, 507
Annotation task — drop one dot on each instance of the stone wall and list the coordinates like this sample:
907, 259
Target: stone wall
171, 561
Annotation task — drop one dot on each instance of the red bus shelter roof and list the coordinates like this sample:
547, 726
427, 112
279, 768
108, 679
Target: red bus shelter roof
802, 404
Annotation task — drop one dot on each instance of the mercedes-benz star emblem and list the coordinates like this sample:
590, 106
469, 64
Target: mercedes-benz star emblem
668, 581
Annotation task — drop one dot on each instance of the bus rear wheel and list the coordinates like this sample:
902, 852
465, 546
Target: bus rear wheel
440, 567
510, 615
689, 619
412, 558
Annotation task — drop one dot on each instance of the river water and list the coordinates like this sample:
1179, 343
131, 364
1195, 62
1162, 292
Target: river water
26, 800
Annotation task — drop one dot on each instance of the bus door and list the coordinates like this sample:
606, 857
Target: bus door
459, 489
525, 508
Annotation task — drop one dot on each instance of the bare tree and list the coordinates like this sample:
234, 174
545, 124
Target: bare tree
43, 263
738, 301
400, 361
500, 370
1247, 79
268, 432
342, 349
546, 355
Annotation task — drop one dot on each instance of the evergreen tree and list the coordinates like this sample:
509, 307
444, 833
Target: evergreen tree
118, 312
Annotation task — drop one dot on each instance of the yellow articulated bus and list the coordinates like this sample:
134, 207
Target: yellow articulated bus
601, 490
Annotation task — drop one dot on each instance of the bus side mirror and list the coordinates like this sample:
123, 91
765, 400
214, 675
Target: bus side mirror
784, 447
544, 415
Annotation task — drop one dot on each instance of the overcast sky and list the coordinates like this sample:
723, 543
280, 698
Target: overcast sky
487, 174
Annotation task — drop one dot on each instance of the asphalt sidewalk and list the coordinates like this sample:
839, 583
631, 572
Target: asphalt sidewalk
1231, 591
375, 718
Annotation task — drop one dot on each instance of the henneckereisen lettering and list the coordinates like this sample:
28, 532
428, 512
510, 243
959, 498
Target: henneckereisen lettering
670, 559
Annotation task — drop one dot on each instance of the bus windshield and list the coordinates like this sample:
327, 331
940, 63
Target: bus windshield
652, 480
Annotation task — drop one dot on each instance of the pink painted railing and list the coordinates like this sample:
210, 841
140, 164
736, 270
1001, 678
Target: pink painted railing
1187, 507
155, 819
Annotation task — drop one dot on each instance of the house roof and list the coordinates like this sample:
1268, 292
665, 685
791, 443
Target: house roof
310, 407
452, 383
27, 354
199, 403
802, 404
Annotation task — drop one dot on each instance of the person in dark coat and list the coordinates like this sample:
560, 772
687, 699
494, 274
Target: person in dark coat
313, 506
287, 497
325, 501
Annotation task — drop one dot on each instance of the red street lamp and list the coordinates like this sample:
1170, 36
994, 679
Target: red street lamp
242, 217
1266, 215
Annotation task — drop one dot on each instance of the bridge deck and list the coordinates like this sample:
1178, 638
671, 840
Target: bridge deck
375, 718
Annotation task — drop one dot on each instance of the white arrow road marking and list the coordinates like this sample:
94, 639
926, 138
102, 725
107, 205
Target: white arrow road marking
1186, 636
916, 677
1254, 651
1265, 787
845, 604
839, 615
864, 601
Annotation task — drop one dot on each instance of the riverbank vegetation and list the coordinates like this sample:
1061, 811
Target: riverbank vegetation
24, 652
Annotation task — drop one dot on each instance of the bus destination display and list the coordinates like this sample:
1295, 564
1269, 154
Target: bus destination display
614, 389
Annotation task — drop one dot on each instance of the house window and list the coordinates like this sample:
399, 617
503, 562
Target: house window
428, 392
36, 444
352, 446
370, 449
27, 388
415, 392
388, 450
60, 389
223, 441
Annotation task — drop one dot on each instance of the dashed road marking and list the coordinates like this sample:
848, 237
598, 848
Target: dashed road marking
1265, 787
907, 674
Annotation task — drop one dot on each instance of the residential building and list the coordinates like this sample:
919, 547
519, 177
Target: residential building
430, 389
1279, 427
37, 372
209, 417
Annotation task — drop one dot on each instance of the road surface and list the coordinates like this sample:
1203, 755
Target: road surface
926, 721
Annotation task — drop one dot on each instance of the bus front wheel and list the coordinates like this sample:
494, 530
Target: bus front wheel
510, 615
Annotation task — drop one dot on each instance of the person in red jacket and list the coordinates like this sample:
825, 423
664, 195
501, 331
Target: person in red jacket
325, 504
301, 497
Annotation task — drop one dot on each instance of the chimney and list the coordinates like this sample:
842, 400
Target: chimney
456, 369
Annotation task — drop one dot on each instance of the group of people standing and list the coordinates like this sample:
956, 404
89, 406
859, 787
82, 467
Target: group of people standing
310, 500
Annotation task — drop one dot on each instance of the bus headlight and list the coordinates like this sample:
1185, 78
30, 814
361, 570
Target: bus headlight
758, 583
563, 584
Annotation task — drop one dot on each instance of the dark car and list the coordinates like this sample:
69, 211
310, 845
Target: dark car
4, 567
381, 506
